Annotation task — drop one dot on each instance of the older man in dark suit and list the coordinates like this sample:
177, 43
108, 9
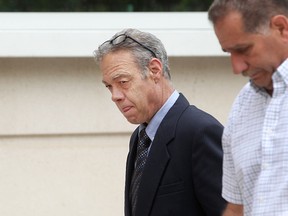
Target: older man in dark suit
174, 165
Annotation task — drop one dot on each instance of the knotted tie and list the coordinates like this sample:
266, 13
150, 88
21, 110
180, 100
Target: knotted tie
141, 156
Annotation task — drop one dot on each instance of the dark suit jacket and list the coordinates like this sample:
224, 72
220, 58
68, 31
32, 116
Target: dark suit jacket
183, 173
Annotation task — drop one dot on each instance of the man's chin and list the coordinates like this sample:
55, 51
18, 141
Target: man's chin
133, 121
255, 83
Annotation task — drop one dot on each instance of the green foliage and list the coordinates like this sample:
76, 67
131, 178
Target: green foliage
102, 5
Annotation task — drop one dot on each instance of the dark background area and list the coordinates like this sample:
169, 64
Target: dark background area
103, 5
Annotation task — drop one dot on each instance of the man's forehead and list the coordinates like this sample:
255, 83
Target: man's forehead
116, 75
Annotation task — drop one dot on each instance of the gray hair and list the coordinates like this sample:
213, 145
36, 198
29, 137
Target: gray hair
143, 46
256, 14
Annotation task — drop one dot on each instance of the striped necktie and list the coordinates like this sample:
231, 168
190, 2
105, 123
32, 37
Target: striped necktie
141, 156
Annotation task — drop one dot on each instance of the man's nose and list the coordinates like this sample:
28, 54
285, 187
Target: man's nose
117, 95
238, 63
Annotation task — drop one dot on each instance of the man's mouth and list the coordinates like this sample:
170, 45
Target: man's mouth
251, 74
126, 109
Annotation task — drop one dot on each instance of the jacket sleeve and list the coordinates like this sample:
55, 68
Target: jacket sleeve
207, 159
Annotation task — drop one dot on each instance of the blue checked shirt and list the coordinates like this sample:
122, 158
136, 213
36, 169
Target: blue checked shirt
255, 145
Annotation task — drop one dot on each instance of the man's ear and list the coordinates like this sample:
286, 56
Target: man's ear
280, 24
156, 69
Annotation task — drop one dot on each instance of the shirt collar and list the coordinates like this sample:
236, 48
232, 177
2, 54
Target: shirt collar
283, 71
280, 75
158, 117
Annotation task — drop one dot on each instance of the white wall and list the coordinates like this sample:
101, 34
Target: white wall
63, 143
74, 34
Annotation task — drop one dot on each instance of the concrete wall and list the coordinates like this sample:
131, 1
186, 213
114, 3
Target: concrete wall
63, 143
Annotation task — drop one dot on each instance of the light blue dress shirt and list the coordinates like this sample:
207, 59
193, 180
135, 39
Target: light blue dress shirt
153, 125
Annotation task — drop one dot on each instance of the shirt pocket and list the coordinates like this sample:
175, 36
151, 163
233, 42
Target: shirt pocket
169, 189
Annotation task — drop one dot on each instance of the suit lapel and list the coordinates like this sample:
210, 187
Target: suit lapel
158, 158
129, 169
155, 166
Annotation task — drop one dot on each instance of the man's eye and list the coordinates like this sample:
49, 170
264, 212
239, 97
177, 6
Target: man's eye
108, 86
243, 50
123, 81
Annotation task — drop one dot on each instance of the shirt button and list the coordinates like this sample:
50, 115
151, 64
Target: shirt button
261, 199
270, 131
265, 166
